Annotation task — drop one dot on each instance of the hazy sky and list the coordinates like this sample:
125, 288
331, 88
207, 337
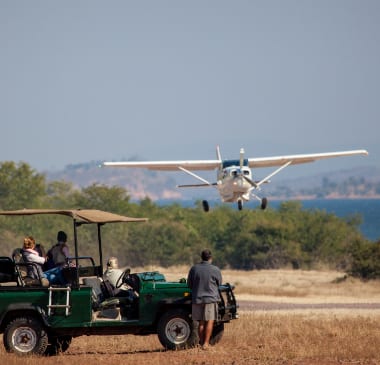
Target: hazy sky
105, 80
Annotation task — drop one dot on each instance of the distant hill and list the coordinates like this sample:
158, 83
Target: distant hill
138, 182
361, 182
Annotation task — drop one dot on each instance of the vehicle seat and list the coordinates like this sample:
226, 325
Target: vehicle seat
101, 290
25, 280
7, 270
103, 294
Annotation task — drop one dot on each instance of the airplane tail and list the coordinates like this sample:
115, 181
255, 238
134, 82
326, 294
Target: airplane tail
219, 157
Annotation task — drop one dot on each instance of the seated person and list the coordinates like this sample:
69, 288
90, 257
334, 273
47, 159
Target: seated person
112, 274
30, 255
59, 253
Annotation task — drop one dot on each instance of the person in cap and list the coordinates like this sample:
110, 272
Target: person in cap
204, 280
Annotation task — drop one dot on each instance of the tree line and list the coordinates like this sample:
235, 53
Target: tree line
289, 236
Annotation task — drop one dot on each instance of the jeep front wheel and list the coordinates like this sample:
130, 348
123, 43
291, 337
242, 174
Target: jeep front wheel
175, 330
24, 336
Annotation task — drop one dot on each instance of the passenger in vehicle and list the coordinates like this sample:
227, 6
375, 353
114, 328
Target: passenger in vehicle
31, 255
59, 253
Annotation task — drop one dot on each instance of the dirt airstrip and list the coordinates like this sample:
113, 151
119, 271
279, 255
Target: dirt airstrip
286, 318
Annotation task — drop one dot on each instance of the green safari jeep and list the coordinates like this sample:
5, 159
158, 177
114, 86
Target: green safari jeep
36, 318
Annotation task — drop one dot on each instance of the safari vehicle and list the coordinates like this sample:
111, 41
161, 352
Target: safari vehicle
40, 319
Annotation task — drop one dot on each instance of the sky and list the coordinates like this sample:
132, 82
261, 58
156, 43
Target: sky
161, 80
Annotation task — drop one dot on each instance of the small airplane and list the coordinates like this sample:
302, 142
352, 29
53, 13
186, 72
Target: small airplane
234, 177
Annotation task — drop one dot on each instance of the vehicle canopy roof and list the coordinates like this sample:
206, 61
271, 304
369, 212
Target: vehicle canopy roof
79, 215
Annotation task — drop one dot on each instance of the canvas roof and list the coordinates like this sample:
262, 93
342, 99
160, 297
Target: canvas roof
80, 215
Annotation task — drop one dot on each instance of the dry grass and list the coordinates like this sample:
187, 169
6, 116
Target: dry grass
281, 338
254, 339
298, 286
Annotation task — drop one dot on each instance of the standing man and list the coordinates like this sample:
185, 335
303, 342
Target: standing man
204, 280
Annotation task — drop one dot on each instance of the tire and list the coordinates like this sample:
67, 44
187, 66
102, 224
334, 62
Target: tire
25, 336
57, 344
176, 331
205, 205
217, 333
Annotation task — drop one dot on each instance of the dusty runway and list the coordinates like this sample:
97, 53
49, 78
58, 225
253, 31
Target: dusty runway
249, 305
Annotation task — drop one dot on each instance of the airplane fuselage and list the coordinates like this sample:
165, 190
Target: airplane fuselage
232, 185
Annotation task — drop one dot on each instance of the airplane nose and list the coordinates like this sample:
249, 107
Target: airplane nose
240, 183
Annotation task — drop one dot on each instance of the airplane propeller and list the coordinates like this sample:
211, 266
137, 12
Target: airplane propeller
253, 183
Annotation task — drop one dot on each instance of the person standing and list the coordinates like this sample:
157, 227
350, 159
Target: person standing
204, 280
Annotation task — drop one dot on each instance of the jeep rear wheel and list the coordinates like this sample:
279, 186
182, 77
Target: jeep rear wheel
175, 330
24, 336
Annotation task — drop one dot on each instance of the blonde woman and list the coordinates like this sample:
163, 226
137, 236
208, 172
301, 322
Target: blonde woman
30, 255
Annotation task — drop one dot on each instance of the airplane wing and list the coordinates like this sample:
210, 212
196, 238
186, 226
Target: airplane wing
213, 164
196, 185
168, 165
298, 159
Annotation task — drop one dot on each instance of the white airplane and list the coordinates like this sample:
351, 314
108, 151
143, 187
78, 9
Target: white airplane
234, 177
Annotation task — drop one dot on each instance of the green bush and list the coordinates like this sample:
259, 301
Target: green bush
366, 260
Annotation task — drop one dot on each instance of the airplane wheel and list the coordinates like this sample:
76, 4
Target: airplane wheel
240, 205
264, 203
205, 205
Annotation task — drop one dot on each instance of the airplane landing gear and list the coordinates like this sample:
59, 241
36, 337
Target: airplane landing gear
205, 205
264, 203
240, 205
